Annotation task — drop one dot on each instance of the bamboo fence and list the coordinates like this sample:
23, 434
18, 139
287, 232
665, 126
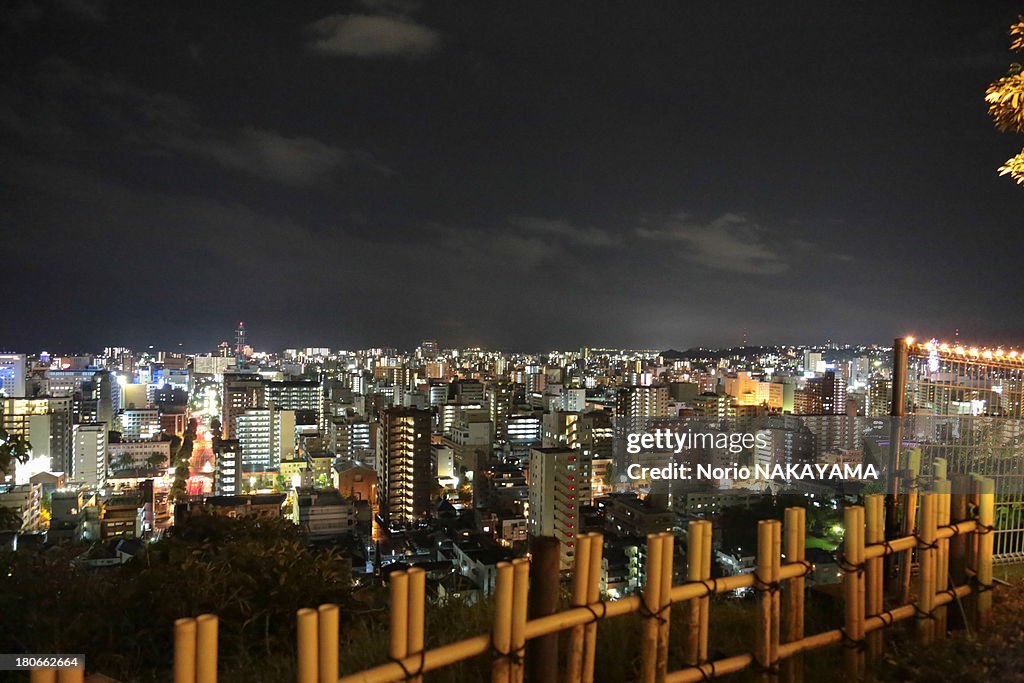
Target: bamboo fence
943, 550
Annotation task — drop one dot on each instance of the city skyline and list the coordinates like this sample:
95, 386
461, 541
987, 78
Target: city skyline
342, 173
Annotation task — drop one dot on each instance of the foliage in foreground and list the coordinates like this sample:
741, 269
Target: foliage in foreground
1005, 98
253, 573
256, 573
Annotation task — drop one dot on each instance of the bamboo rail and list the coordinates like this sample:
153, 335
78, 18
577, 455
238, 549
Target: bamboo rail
779, 577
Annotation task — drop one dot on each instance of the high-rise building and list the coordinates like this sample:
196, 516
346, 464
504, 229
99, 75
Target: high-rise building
45, 422
305, 397
879, 396
596, 441
12, 374
641, 402
405, 476
748, 391
500, 396
226, 472
813, 361
266, 437
140, 423
430, 348
523, 432
240, 344
574, 400
90, 389
242, 391
554, 499
470, 440
833, 393
466, 391
90, 454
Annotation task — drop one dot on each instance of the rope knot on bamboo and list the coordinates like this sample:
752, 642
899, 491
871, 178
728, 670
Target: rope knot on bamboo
646, 611
706, 674
850, 567
710, 585
980, 587
410, 675
763, 586
924, 545
516, 656
887, 617
593, 612
852, 643
924, 614
808, 567
983, 529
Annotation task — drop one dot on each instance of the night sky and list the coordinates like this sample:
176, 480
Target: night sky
525, 175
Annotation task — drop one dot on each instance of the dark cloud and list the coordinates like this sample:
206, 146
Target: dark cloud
368, 36
730, 242
298, 161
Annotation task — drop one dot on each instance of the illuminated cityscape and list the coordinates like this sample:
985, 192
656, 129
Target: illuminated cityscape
381, 341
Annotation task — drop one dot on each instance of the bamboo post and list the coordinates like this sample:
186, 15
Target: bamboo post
542, 653
776, 597
694, 567
765, 586
958, 544
942, 490
521, 594
874, 514
206, 648
705, 601
794, 529
501, 636
595, 558
986, 542
398, 647
43, 676
71, 676
652, 601
927, 560
580, 587
185, 651
327, 629
974, 510
415, 615
306, 635
853, 590
939, 468
909, 522
665, 606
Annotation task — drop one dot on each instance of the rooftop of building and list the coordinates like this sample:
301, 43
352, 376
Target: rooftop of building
247, 499
481, 548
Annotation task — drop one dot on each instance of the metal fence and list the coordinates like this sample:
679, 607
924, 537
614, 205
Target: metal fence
991, 447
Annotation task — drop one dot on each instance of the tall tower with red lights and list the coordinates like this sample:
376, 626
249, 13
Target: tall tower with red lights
240, 344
